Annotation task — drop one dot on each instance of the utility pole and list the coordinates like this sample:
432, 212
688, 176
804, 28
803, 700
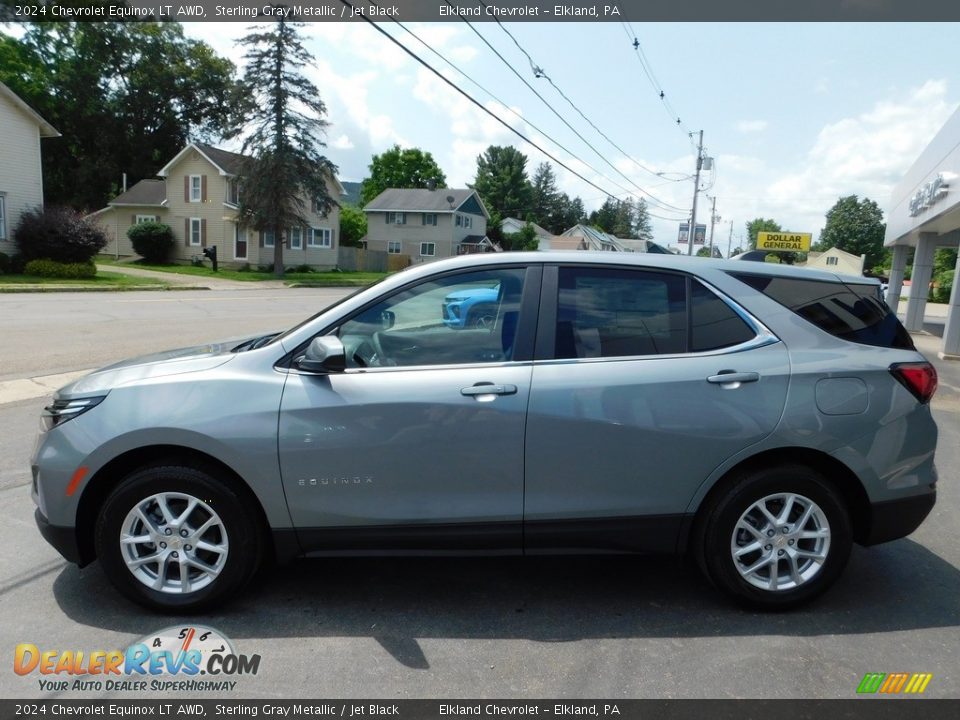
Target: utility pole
730, 239
713, 218
691, 230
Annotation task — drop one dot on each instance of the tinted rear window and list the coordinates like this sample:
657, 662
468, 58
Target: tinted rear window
714, 323
853, 313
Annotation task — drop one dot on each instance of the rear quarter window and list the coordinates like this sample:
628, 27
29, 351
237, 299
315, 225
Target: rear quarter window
850, 312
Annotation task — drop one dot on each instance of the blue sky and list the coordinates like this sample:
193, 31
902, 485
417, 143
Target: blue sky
795, 115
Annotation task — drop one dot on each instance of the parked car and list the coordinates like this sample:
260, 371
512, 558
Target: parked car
759, 417
471, 308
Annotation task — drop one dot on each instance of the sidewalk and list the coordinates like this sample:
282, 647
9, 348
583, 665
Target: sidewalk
193, 281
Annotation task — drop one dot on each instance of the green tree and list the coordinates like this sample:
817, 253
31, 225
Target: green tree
703, 252
353, 225
571, 213
854, 226
944, 268
606, 216
401, 168
126, 98
642, 227
544, 196
285, 119
502, 181
524, 239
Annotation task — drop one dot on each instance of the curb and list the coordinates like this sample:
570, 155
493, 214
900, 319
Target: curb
332, 284
91, 288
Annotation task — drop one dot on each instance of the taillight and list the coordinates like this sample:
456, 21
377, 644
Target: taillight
919, 378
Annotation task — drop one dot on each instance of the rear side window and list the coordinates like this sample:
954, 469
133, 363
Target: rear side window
853, 312
603, 312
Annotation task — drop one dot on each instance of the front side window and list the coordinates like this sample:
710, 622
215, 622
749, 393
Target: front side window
831, 261
196, 231
145, 218
3, 218
396, 218
268, 239
462, 319
196, 188
320, 237
430, 219
394, 247
296, 238
233, 191
428, 249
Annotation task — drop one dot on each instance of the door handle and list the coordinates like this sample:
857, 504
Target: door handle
731, 377
488, 389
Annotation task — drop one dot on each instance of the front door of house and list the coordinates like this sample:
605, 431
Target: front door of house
239, 243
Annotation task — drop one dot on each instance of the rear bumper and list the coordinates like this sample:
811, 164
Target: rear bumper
63, 539
895, 519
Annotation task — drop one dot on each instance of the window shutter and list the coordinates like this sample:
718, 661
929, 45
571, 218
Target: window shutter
203, 188
286, 241
386, 217
186, 188
133, 219
203, 232
261, 238
186, 231
332, 234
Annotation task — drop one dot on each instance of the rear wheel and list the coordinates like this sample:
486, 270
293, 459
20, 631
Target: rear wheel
482, 318
177, 539
775, 538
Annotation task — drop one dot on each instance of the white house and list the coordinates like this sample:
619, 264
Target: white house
21, 177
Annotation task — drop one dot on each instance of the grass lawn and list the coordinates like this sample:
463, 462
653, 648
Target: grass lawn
103, 279
319, 278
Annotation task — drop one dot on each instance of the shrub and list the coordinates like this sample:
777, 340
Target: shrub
244, 268
53, 269
303, 268
59, 234
4, 263
265, 268
153, 241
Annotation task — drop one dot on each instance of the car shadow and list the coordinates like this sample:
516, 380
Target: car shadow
893, 587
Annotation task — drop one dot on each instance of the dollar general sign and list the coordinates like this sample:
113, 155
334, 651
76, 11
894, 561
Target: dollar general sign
799, 242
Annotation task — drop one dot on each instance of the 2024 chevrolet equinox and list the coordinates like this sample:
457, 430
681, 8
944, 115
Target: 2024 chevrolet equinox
758, 417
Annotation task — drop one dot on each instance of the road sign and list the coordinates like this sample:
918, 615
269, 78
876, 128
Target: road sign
784, 241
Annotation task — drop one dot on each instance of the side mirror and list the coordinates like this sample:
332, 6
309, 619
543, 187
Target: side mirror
387, 319
324, 355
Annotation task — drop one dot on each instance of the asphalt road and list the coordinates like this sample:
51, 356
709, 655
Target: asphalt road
536, 627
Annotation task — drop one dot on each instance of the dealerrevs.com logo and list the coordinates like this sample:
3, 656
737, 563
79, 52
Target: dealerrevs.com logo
894, 683
175, 659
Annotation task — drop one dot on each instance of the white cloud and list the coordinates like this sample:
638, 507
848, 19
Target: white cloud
752, 126
342, 143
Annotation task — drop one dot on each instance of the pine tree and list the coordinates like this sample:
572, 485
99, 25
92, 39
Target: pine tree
284, 117
642, 227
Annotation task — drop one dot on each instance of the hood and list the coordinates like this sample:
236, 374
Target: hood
168, 362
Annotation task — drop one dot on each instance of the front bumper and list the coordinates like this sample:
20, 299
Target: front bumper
63, 539
894, 519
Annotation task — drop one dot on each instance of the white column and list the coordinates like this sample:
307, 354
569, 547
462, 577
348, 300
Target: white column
951, 332
920, 281
896, 276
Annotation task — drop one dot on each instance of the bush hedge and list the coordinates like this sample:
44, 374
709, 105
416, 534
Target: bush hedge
58, 234
45, 267
4, 263
153, 241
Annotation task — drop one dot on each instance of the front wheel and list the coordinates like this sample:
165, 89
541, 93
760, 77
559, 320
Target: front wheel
177, 539
776, 538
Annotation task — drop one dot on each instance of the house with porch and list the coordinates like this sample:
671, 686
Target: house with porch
197, 194
21, 176
427, 224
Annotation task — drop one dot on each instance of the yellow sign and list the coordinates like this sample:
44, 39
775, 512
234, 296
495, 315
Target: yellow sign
785, 241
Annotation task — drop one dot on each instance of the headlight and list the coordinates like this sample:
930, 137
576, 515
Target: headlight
63, 410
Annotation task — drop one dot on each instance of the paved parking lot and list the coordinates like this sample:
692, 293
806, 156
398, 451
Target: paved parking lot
493, 627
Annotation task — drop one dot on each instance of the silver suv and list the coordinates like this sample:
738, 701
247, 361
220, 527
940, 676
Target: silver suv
757, 417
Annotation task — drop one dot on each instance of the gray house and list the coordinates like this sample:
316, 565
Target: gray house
427, 224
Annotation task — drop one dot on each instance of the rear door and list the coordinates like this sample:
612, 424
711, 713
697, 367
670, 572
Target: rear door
644, 382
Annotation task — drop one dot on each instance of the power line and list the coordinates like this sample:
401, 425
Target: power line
510, 109
538, 72
474, 101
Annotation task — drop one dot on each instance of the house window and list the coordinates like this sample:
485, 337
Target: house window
145, 218
831, 260
428, 249
268, 238
196, 231
296, 238
233, 191
320, 237
467, 221
430, 219
396, 218
196, 188
459, 221
394, 247
3, 218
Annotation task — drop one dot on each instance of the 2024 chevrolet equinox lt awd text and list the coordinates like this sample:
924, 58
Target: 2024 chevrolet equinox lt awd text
759, 417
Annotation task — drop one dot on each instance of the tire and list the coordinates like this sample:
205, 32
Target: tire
216, 547
793, 565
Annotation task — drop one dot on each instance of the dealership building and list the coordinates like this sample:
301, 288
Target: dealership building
924, 214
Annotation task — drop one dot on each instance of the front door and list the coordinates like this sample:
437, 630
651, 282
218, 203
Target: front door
418, 445
239, 243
